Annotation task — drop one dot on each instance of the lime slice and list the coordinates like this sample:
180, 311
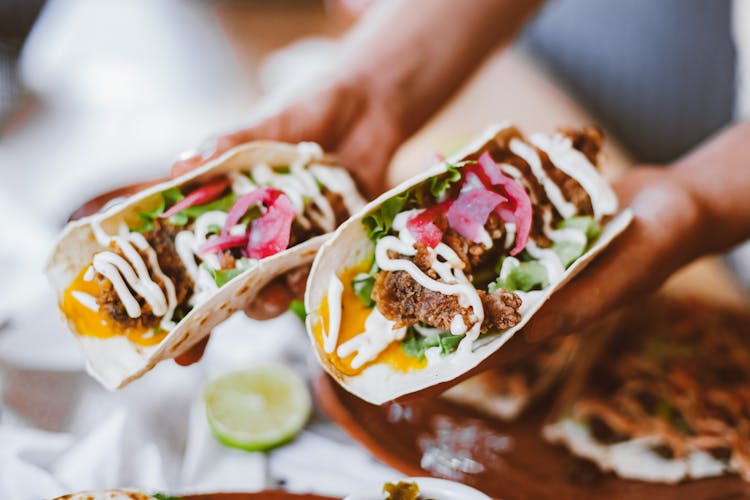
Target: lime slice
257, 409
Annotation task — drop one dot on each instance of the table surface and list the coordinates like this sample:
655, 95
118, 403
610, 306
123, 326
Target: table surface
59, 429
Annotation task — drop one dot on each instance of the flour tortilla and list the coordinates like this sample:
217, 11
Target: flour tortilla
350, 245
115, 361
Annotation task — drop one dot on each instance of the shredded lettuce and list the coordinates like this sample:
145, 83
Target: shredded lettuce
224, 276
362, 285
168, 198
525, 277
441, 183
414, 345
363, 282
298, 308
379, 222
569, 251
585, 223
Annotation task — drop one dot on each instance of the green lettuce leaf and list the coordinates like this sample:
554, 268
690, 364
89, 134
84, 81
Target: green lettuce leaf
362, 285
569, 251
525, 277
222, 204
585, 223
378, 223
224, 276
298, 308
414, 345
168, 198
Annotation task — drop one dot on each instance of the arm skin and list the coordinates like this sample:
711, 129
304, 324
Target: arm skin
696, 206
394, 76
397, 69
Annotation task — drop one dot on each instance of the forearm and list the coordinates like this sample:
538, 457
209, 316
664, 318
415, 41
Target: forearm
413, 55
717, 176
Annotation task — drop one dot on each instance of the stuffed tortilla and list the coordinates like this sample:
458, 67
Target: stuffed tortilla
665, 398
147, 279
435, 275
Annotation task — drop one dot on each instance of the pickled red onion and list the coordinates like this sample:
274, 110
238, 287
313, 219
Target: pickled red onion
520, 211
270, 233
204, 194
223, 242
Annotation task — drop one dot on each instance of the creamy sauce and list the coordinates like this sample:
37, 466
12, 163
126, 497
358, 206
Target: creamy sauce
331, 336
552, 190
561, 152
549, 259
354, 316
634, 459
339, 181
87, 300
241, 184
129, 271
446, 265
131, 277
378, 335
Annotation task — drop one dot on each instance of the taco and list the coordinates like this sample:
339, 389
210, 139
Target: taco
505, 392
431, 278
146, 279
663, 398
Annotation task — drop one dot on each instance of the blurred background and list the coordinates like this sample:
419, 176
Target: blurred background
95, 94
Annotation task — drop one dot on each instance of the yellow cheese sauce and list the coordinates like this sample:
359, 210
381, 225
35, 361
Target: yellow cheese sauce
98, 323
353, 316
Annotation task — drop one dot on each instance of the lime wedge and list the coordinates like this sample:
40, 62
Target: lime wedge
257, 409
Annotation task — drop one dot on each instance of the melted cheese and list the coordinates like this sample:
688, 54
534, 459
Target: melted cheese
354, 316
94, 321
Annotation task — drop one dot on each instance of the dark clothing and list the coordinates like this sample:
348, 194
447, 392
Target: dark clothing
658, 74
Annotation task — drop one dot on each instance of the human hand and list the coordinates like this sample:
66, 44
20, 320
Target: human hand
663, 236
344, 119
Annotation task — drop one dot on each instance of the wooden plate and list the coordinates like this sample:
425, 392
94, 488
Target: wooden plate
504, 460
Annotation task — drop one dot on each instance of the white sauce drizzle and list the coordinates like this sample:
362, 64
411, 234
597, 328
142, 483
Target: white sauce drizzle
530, 156
89, 274
549, 259
379, 333
510, 235
339, 181
130, 272
86, 300
561, 152
241, 184
331, 337
445, 263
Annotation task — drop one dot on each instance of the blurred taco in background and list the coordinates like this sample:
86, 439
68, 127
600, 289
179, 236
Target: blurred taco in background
506, 392
431, 278
146, 279
664, 397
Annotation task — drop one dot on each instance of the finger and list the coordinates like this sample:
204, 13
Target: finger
296, 280
368, 164
194, 354
272, 301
